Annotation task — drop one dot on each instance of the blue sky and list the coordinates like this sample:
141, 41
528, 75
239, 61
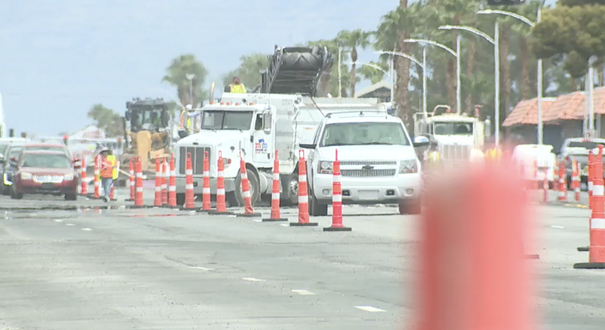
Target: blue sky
58, 58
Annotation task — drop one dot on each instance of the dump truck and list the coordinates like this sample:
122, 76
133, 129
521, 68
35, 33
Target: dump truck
147, 133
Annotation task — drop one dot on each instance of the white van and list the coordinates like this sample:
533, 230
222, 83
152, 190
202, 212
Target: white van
530, 155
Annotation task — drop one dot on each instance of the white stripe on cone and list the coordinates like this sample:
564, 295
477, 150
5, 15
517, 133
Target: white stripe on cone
597, 190
597, 223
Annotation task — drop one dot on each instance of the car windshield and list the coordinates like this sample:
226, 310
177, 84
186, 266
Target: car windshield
14, 152
589, 145
45, 148
452, 128
364, 134
3, 147
226, 120
45, 161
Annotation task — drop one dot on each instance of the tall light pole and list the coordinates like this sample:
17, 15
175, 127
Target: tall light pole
451, 51
539, 74
493, 41
421, 65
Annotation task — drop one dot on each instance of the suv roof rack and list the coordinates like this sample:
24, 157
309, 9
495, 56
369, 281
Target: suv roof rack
375, 113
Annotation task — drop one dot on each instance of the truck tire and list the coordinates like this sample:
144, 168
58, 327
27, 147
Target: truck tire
290, 186
410, 207
316, 209
180, 199
254, 187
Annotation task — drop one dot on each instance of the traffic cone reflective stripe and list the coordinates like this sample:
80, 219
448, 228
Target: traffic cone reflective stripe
562, 183
189, 194
172, 184
84, 185
577, 180
221, 206
248, 209
111, 191
303, 199
336, 198
138, 201
596, 259
275, 195
206, 202
158, 183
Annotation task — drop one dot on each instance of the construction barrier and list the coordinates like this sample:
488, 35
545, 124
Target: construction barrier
83, 184
189, 193
157, 201
243, 174
596, 250
336, 198
164, 182
303, 197
275, 193
221, 206
471, 276
172, 184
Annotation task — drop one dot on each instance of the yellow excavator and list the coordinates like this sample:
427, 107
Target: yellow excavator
147, 133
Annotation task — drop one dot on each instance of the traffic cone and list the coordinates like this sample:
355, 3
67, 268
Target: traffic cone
221, 206
131, 185
97, 191
275, 196
138, 200
206, 202
157, 202
336, 199
243, 173
164, 182
84, 184
592, 164
545, 186
487, 286
172, 184
189, 194
303, 198
111, 192
555, 182
562, 183
596, 259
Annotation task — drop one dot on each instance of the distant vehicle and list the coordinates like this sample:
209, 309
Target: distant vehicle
377, 157
13, 151
578, 149
530, 155
5, 142
45, 172
48, 147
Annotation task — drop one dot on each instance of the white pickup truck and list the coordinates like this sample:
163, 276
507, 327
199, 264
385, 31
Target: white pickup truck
377, 157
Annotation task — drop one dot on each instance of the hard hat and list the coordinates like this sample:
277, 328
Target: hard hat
189, 107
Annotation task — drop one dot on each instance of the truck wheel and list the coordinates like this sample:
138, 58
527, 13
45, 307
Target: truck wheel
291, 196
316, 209
254, 188
180, 199
410, 207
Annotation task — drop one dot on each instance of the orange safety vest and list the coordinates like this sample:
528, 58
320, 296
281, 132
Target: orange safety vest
107, 169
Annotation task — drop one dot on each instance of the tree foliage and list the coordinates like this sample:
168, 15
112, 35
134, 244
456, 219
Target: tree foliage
572, 32
107, 119
176, 75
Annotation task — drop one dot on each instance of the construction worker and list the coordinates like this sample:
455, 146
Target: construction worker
433, 157
493, 153
107, 172
236, 86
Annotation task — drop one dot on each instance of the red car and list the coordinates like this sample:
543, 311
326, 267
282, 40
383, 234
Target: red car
47, 147
45, 172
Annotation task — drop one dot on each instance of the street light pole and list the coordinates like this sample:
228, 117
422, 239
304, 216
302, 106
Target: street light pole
497, 83
424, 105
458, 85
539, 97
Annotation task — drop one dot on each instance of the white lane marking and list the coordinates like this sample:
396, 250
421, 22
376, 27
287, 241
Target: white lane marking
285, 225
558, 227
370, 309
304, 292
58, 220
86, 229
69, 224
252, 279
201, 268
256, 220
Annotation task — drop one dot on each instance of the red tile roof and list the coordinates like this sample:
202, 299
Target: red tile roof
598, 100
564, 107
526, 112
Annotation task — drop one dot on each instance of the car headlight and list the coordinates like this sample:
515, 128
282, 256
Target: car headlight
69, 177
324, 167
408, 166
26, 176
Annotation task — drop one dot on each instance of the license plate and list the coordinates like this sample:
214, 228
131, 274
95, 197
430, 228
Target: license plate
368, 195
48, 186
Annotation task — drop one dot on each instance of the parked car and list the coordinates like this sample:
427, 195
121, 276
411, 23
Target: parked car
530, 155
12, 152
578, 149
45, 172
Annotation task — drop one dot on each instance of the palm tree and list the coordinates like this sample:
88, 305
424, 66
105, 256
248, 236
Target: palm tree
372, 74
177, 76
351, 40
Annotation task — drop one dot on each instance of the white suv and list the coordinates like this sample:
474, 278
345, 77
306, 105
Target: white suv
378, 164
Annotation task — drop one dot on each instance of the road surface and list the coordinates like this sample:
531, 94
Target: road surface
79, 268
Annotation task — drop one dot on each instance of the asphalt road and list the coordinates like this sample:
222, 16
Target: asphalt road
94, 268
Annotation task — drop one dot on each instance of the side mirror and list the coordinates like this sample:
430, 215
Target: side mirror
267, 118
308, 145
421, 141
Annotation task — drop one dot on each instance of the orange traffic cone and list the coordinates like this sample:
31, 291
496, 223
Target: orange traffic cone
562, 183
84, 184
221, 206
303, 197
206, 200
189, 194
248, 209
591, 171
158, 183
97, 191
172, 184
336, 199
275, 196
138, 200
131, 185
